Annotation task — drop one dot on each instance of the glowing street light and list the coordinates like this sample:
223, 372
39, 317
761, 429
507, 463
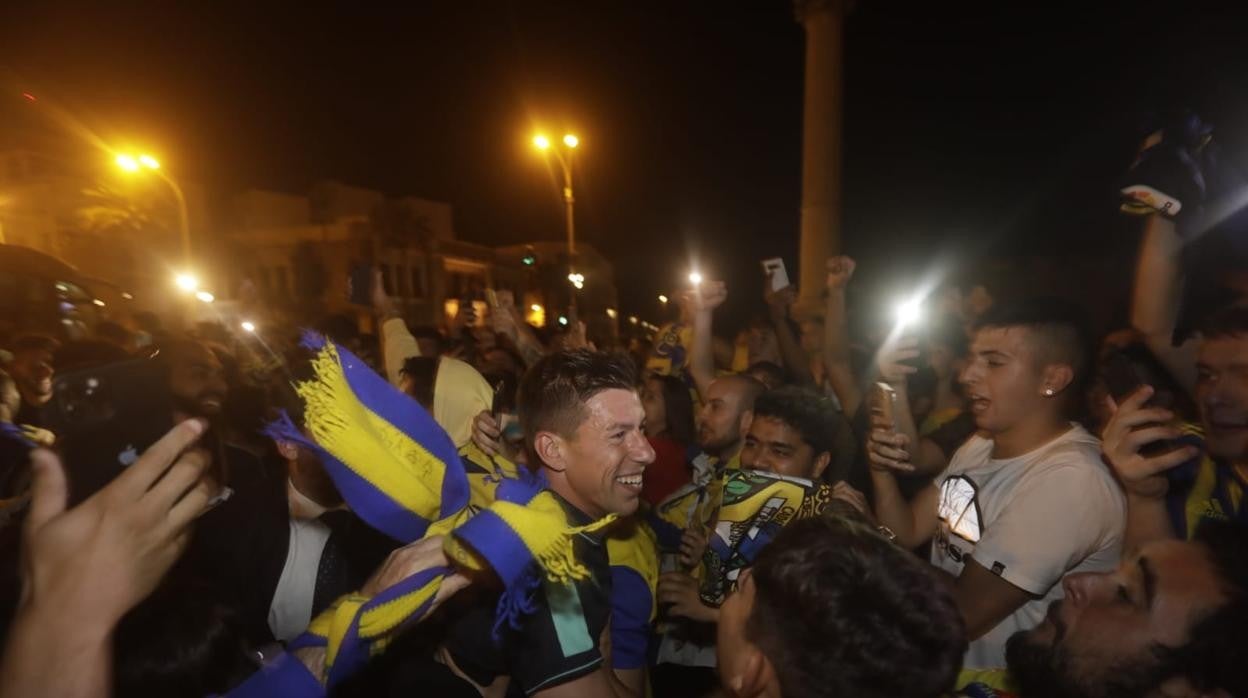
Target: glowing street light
578, 280
611, 313
248, 326
663, 299
564, 156
632, 319
127, 163
186, 282
132, 163
205, 296
536, 308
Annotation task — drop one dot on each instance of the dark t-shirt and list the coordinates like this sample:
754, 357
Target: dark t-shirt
558, 642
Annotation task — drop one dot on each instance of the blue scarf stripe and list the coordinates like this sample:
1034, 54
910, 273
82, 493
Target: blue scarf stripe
498, 543
407, 586
405, 414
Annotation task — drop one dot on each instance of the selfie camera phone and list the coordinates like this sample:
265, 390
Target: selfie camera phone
883, 399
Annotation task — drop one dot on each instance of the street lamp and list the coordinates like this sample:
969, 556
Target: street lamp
570, 143
186, 282
132, 163
663, 299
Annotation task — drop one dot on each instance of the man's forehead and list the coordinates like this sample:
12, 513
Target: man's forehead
1224, 351
1183, 571
614, 406
774, 429
1003, 339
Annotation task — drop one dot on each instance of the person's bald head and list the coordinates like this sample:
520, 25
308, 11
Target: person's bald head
727, 409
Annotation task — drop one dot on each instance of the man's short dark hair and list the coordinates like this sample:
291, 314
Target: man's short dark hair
839, 611
1226, 323
554, 391
812, 415
33, 342
1059, 326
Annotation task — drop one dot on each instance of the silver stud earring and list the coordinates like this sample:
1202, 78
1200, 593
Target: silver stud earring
1048, 392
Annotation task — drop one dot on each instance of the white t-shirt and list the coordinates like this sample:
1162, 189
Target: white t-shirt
1031, 519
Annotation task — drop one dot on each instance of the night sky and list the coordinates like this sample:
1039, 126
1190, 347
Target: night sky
970, 128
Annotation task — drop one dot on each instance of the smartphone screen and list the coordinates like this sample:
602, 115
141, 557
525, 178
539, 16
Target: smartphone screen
779, 275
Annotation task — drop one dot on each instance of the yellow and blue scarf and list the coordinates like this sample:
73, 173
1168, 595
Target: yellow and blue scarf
400, 472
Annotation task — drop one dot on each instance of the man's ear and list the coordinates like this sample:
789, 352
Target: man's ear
752, 676
821, 464
747, 419
1057, 377
288, 450
550, 449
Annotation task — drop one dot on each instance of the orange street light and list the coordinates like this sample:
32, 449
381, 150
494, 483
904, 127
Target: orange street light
131, 163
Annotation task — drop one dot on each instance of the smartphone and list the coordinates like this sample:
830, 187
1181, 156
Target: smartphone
883, 399
496, 408
105, 417
779, 275
360, 285
1124, 375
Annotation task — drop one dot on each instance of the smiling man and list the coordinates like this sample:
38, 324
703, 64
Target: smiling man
1171, 490
1027, 500
583, 425
794, 433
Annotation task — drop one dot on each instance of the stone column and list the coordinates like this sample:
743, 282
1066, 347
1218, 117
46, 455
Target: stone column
823, 21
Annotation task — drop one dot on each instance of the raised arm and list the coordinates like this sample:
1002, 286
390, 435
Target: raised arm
397, 342
778, 303
702, 302
836, 355
1157, 295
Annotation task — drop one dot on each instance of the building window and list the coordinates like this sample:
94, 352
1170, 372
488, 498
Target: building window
418, 281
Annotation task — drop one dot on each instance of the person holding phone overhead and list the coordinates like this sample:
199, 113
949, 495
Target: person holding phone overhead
1024, 502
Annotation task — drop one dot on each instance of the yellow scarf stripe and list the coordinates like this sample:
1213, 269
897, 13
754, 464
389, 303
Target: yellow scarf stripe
342, 425
542, 525
333, 623
388, 616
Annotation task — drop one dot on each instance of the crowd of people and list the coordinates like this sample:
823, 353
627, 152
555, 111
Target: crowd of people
991, 502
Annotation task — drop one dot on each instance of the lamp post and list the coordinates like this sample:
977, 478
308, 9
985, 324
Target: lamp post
570, 142
131, 163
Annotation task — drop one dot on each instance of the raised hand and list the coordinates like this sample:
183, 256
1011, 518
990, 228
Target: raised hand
840, 271
778, 301
1132, 427
890, 361
487, 433
383, 304
888, 451
707, 296
101, 558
